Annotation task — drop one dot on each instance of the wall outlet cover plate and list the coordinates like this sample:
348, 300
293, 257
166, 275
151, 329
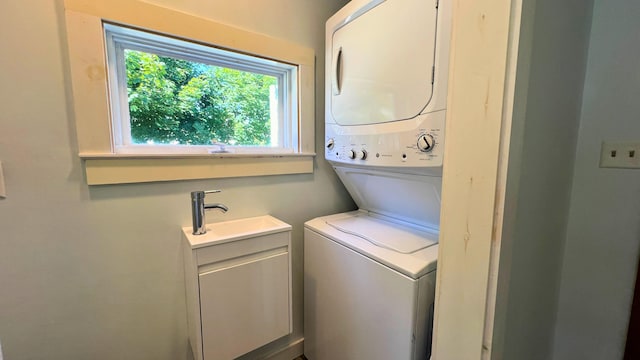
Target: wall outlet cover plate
620, 154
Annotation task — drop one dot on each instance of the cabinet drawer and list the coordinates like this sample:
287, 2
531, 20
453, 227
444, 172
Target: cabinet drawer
247, 247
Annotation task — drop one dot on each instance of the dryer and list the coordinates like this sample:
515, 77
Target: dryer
370, 274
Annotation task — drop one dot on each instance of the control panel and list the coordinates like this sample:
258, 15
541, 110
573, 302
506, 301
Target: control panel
410, 143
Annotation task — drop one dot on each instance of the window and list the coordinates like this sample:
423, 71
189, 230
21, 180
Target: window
175, 96
226, 102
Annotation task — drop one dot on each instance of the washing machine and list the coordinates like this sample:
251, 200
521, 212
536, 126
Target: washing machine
369, 275
369, 288
369, 278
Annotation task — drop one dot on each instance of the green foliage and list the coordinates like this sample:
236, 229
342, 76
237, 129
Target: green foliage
174, 101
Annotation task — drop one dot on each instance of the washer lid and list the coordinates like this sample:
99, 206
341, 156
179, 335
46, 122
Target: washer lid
384, 234
387, 233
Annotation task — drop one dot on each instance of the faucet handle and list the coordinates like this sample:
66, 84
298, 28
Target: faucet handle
200, 194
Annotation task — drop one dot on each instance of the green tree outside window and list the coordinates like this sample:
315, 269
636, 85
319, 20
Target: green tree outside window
174, 101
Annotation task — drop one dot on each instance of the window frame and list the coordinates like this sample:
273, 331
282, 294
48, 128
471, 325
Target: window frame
119, 38
91, 98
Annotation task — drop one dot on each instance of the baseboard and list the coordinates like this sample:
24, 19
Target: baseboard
292, 351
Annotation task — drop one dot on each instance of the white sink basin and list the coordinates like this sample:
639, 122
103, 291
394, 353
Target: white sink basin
233, 230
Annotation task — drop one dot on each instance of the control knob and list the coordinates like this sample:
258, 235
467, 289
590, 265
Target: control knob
330, 144
426, 142
362, 154
351, 154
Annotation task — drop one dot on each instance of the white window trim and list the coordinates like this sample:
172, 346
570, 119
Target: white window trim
119, 39
87, 59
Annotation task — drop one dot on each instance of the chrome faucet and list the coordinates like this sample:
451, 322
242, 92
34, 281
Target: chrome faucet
198, 208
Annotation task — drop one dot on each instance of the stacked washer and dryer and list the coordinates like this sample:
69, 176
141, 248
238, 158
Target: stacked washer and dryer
370, 274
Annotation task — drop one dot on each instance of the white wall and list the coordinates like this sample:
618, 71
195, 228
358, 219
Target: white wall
548, 95
603, 237
96, 273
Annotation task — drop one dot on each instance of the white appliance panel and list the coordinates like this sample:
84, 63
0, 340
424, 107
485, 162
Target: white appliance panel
411, 198
393, 144
382, 62
357, 308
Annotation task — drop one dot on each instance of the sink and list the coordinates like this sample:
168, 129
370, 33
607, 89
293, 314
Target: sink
237, 286
233, 230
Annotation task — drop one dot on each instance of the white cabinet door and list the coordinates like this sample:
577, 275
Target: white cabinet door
244, 306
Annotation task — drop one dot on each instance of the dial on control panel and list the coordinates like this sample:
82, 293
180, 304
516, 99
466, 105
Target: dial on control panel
426, 142
330, 144
352, 154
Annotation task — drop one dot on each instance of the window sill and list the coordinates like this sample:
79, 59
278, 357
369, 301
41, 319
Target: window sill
104, 169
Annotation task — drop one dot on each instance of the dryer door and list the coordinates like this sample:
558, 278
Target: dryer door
382, 62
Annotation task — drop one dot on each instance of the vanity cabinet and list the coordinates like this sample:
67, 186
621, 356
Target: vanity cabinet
238, 286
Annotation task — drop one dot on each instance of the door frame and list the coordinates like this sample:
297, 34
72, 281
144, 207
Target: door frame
484, 49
